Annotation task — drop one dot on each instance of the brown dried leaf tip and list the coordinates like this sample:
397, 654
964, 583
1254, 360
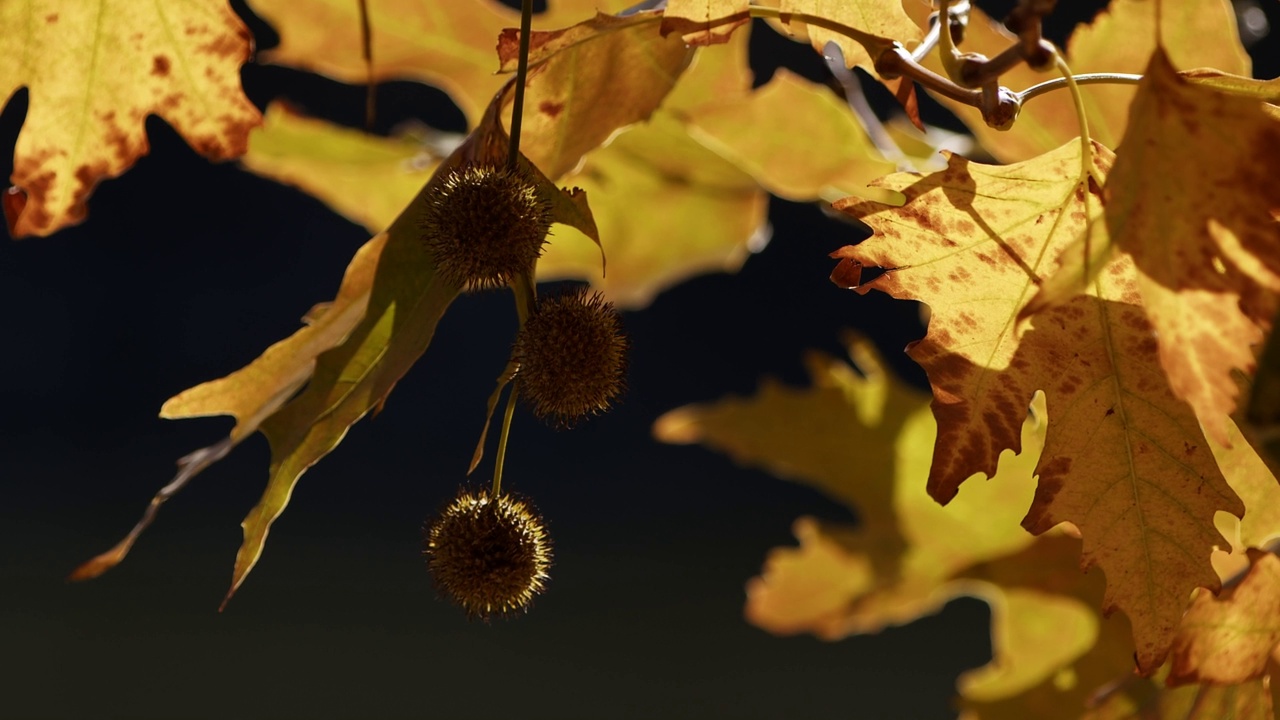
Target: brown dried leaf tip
573, 357
490, 556
485, 225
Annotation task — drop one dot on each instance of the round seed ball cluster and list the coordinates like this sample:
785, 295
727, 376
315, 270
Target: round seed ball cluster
485, 225
490, 556
573, 356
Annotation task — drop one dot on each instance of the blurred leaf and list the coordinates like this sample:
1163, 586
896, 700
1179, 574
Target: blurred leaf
1228, 639
1119, 40
366, 178
1205, 239
704, 22
898, 564
95, 71
1125, 460
445, 44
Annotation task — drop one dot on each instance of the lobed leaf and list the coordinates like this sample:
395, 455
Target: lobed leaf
1229, 639
1206, 238
1125, 460
95, 71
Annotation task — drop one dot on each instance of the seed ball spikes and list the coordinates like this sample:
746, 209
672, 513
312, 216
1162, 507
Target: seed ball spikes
485, 225
573, 356
490, 556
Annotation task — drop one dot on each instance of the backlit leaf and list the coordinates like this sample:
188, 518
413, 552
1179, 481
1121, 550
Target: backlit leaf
1124, 460
588, 80
1229, 639
1206, 237
1196, 33
95, 71
885, 20
445, 44
704, 22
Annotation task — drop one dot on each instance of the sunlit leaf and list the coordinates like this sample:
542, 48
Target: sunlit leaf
1229, 639
1124, 460
445, 44
704, 22
1196, 33
95, 71
1206, 237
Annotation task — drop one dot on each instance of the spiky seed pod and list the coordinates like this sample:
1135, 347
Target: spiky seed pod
573, 357
485, 225
490, 556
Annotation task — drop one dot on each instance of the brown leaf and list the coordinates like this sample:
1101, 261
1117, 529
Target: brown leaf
1229, 639
1205, 237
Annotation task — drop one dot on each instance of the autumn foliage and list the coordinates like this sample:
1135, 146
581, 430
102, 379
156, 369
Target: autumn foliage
1101, 272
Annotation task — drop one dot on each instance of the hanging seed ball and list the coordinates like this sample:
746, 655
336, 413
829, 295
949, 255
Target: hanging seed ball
573, 356
490, 556
485, 225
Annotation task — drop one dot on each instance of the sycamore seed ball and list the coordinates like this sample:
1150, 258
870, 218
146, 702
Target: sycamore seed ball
573, 356
490, 556
485, 225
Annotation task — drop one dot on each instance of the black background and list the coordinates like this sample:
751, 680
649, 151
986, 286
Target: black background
186, 271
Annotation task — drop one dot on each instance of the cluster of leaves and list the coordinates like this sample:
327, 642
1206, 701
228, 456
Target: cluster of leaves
1118, 282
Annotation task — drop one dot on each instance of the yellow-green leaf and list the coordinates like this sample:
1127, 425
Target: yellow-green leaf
95, 71
1229, 639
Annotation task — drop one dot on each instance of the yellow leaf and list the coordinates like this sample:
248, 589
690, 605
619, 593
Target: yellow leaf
95, 71
1119, 40
254, 392
588, 80
445, 44
704, 22
1124, 460
366, 178
897, 565
706, 212
759, 133
1206, 237
1136, 698
884, 19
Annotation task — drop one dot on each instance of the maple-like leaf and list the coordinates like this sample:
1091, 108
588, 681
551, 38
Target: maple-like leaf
95, 71
1125, 459
897, 565
444, 44
1197, 33
1206, 237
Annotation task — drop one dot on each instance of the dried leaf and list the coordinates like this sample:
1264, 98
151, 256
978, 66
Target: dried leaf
1124, 460
884, 20
1206, 237
95, 71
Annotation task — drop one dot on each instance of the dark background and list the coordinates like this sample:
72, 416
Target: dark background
186, 271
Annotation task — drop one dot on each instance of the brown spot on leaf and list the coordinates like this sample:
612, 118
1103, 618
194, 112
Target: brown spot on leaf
51, 18
14, 201
160, 66
550, 109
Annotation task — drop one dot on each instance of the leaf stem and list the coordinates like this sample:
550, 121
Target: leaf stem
872, 43
501, 457
517, 111
1085, 79
1082, 120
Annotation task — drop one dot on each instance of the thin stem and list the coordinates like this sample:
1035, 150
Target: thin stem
930, 40
366, 45
522, 74
1082, 120
501, 457
1085, 79
947, 51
